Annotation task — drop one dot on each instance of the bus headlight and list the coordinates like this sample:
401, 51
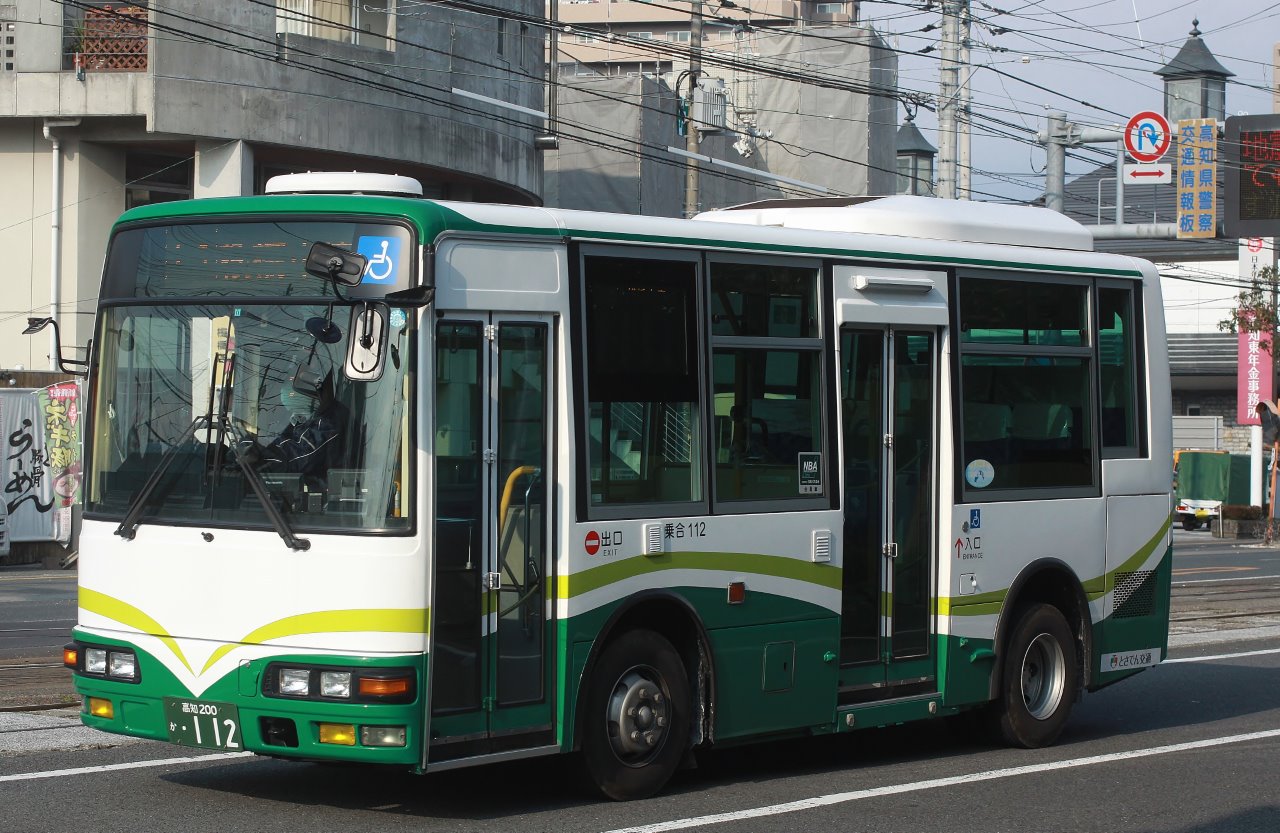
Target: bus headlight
95, 660
295, 682
122, 665
335, 683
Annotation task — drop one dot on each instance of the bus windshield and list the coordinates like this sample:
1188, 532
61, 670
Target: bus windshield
202, 392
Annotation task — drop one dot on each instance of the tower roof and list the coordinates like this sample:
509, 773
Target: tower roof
911, 140
1194, 58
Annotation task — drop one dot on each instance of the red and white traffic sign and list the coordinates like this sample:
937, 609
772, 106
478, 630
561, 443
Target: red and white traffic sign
1255, 244
592, 542
1147, 136
1161, 174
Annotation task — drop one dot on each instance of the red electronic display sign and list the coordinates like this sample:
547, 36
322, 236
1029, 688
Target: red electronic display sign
1252, 162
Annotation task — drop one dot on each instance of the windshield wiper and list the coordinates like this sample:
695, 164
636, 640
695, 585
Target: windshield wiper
225, 429
128, 527
264, 497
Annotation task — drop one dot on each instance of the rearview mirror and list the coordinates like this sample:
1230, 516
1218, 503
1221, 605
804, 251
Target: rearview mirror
334, 264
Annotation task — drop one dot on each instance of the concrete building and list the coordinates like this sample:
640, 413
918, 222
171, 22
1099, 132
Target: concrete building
104, 106
796, 93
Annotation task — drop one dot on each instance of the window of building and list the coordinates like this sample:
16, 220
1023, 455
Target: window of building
642, 382
585, 37
10, 46
502, 35
766, 383
679, 36
831, 8
1026, 385
1193, 410
362, 22
642, 35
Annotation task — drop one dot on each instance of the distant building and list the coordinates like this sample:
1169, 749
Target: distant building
122, 105
754, 108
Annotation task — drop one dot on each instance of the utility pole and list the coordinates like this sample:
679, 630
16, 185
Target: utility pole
691, 126
953, 103
948, 100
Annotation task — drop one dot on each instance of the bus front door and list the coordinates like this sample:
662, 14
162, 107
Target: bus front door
489, 677
888, 384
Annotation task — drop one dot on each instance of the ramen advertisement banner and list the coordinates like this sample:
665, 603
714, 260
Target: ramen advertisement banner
41, 472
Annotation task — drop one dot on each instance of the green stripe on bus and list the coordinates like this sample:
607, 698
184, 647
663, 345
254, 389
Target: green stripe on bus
777, 566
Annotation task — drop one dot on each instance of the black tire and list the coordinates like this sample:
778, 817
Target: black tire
635, 727
1039, 681
1190, 524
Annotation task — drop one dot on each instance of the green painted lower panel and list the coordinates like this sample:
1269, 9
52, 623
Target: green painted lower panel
139, 707
1136, 636
965, 669
775, 678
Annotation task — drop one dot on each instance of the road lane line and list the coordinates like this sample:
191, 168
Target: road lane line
89, 770
1217, 580
1224, 656
938, 783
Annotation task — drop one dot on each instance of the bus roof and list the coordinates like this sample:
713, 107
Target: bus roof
930, 231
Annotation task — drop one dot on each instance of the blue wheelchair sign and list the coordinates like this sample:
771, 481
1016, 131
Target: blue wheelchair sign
383, 255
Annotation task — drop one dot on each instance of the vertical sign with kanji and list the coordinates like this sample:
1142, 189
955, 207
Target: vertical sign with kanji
1253, 377
1197, 178
41, 466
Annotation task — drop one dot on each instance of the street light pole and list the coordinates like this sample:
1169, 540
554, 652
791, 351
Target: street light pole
691, 126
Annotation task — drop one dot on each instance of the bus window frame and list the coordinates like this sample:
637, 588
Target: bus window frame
1087, 351
1138, 402
819, 344
586, 510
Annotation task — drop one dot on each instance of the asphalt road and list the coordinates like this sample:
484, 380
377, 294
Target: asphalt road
1192, 746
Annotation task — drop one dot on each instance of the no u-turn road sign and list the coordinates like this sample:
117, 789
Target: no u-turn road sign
1147, 136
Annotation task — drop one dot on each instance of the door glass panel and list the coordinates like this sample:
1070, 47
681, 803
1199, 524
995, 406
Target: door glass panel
912, 490
861, 383
459, 539
522, 432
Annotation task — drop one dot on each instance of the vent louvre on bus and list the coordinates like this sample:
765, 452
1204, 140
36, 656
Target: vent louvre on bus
822, 545
1135, 594
652, 539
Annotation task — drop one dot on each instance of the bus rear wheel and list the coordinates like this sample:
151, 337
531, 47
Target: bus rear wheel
637, 716
1039, 681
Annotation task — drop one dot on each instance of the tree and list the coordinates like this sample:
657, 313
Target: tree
1255, 310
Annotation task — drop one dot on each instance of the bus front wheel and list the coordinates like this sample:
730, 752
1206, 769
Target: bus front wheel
1039, 681
637, 716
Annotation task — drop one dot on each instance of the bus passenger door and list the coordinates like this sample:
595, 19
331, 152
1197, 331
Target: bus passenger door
489, 678
888, 384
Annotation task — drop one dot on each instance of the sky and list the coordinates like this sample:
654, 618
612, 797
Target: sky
1092, 59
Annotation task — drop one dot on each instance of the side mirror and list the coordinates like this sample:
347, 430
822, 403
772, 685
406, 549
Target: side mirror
367, 342
334, 264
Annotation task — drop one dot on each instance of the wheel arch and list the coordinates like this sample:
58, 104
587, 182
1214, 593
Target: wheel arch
1053, 582
674, 617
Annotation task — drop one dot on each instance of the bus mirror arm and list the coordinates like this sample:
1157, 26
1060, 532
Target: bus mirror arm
71, 367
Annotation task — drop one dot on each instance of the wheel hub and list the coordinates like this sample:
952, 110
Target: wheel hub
637, 717
1044, 674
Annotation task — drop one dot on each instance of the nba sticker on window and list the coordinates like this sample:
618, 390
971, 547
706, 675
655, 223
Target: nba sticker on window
810, 463
383, 259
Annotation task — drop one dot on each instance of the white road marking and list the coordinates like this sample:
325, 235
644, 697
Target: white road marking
938, 783
89, 770
1224, 656
1216, 580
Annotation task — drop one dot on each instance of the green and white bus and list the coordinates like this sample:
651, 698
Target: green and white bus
375, 478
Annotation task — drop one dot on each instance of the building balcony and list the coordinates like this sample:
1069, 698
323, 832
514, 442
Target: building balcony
105, 37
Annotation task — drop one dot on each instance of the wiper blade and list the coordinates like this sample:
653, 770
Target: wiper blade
128, 527
264, 497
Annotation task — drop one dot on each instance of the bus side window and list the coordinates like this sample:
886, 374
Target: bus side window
1118, 370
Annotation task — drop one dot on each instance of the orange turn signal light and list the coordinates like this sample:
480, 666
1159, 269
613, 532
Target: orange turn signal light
71, 657
99, 707
384, 686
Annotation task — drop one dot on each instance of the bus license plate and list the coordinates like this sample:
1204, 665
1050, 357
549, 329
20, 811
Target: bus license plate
201, 723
